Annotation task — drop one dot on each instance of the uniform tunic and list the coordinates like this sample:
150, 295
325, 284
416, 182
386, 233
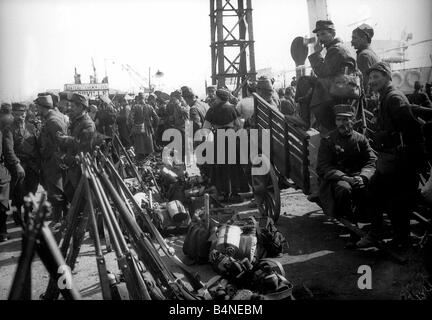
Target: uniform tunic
142, 118
366, 58
24, 139
227, 178
393, 188
336, 59
82, 132
340, 155
52, 155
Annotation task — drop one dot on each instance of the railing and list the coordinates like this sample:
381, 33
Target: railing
289, 144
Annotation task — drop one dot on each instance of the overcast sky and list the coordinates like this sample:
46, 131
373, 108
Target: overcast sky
43, 40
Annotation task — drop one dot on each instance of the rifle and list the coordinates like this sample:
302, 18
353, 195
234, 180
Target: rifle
100, 260
143, 245
39, 237
21, 285
117, 139
145, 249
127, 264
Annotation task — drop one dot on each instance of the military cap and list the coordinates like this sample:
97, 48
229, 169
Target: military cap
265, 83
6, 108
19, 106
44, 101
176, 94
365, 30
187, 92
80, 99
152, 95
55, 97
343, 110
92, 108
382, 66
223, 94
323, 25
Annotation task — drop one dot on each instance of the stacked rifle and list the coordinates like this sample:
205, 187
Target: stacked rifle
37, 237
102, 193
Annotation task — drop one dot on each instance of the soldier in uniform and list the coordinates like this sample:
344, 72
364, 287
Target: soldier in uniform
6, 149
81, 136
142, 119
54, 122
106, 116
346, 163
211, 95
398, 141
22, 140
198, 109
361, 39
334, 63
5, 179
6, 117
122, 125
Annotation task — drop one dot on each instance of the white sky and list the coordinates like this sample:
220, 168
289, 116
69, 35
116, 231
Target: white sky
43, 40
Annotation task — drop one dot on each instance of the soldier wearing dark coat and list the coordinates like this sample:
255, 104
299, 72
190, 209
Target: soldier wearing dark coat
80, 138
5, 176
346, 163
419, 97
22, 138
334, 63
105, 116
198, 109
361, 39
52, 155
398, 141
142, 120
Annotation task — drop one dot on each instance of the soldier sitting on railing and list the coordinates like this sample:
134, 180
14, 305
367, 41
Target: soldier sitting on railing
346, 162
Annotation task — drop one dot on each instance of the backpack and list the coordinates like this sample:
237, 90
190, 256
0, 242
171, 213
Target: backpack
271, 241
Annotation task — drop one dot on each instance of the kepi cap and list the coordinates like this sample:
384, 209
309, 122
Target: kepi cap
380, 66
324, 25
19, 106
343, 110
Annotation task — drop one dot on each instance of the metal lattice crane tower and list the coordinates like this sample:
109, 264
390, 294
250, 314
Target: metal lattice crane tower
232, 43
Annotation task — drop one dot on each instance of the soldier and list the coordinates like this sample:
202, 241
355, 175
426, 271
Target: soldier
211, 95
22, 137
346, 163
266, 91
5, 179
80, 139
398, 140
198, 109
122, 126
361, 39
106, 116
419, 97
142, 119
52, 155
6, 117
334, 63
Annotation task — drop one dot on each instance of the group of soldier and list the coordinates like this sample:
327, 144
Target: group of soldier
41, 141
362, 178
